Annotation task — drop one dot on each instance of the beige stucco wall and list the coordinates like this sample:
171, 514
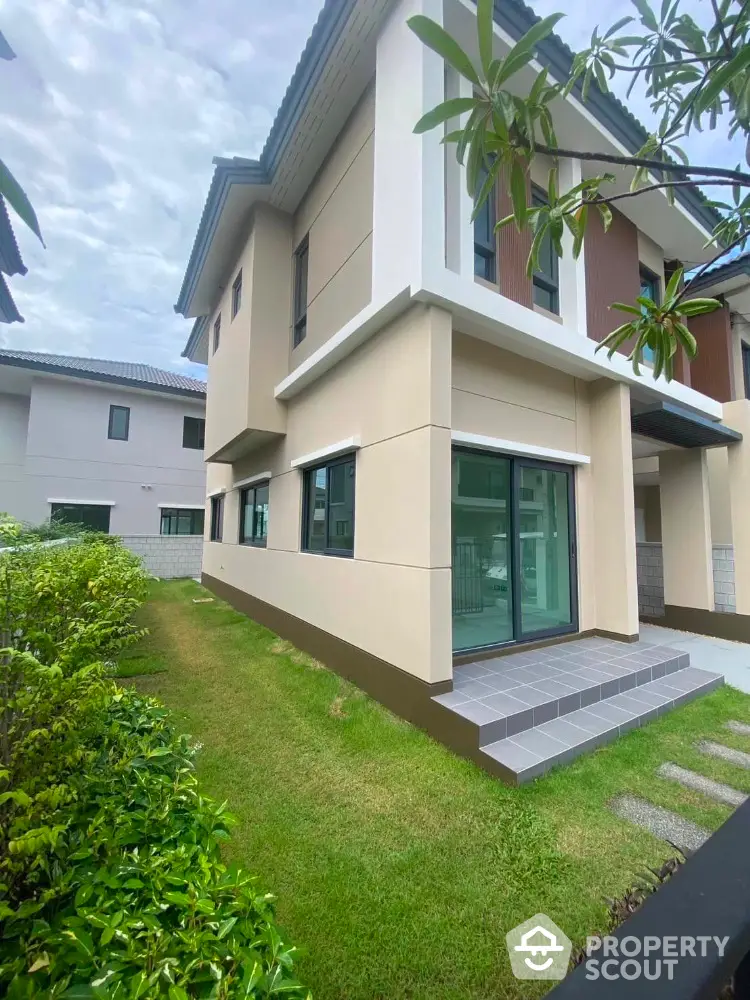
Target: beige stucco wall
393, 598
686, 529
647, 500
717, 461
337, 213
737, 416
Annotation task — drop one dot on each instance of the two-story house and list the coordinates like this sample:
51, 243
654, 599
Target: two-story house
419, 468
114, 446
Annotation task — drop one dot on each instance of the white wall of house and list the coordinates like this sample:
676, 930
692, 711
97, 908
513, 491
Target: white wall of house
54, 445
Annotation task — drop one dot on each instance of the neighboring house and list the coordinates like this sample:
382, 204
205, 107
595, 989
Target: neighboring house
416, 459
115, 446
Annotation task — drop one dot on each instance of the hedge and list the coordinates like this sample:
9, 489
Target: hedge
112, 883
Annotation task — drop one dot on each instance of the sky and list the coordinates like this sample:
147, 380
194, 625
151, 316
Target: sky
110, 117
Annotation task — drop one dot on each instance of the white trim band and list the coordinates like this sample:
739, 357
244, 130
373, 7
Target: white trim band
182, 506
251, 479
331, 451
215, 493
518, 448
88, 503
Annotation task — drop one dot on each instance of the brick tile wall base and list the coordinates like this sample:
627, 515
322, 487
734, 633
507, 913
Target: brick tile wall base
168, 556
651, 579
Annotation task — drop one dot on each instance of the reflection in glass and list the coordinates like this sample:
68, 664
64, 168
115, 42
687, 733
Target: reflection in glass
545, 550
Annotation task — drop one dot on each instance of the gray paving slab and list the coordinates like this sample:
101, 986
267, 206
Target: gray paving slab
699, 783
728, 754
740, 728
732, 659
662, 823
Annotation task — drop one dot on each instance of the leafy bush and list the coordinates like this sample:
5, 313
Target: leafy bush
111, 878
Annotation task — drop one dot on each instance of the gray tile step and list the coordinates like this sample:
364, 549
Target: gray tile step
507, 695
532, 752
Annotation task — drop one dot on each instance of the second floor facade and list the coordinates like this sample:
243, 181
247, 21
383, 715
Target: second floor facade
348, 217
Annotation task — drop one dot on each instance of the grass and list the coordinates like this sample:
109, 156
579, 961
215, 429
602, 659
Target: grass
399, 867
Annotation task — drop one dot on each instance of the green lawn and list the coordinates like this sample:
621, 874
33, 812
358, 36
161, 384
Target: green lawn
399, 867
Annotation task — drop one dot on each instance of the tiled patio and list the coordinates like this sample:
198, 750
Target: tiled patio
532, 710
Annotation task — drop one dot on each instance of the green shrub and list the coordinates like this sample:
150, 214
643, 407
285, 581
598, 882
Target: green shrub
111, 878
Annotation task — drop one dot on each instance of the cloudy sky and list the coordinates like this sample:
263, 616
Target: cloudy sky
110, 116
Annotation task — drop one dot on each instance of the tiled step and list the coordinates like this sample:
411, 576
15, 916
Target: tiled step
507, 695
534, 751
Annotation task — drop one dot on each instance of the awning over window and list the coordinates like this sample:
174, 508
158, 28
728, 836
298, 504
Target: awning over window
676, 425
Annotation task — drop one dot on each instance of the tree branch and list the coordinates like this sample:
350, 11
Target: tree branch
606, 199
720, 23
702, 270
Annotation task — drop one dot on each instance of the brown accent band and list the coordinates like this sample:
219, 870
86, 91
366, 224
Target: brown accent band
402, 693
617, 636
721, 624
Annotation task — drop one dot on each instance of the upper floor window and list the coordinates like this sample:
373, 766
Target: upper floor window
237, 294
119, 423
546, 279
746, 367
485, 245
650, 289
254, 515
217, 518
328, 509
301, 257
217, 333
181, 521
194, 433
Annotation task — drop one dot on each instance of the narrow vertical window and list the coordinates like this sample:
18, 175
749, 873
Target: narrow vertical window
194, 433
237, 294
746, 367
546, 278
217, 333
485, 246
299, 320
328, 516
119, 423
650, 289
254, 515
217, 517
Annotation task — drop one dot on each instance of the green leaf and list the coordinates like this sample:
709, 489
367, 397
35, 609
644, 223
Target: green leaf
647, 15
606, 213
523, 51
626, 308
674, 283
14, 194
443, 112
437, 38
722, 78
518, 193
697, 307
485, 32
79, 992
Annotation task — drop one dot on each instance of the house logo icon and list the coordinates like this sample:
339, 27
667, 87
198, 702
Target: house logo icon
538, 949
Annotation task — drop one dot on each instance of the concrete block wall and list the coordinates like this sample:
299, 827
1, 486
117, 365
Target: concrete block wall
168, 556
724, 592
650, 564
651, 579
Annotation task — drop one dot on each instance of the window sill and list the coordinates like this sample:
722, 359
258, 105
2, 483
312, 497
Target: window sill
336, 553
254, 545
555, 317
493, 286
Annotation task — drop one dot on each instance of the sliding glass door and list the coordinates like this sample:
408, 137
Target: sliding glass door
513, 550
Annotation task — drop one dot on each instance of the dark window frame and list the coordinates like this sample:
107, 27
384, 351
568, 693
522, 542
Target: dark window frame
237, 294
216, 532
175, 513
112, 409
746, 367
254, 540
649, 277
299, 305
308, 477
549, 283
486, 249
201, 433
217, 333
56, 508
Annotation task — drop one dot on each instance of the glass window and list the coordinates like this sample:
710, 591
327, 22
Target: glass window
485, 246
217, 332
119, 423
328, 525
194, 433
301, 258
650, 289
746, 367
546, 278
217, 518
254, 515
177, 521
95, 517
237, 295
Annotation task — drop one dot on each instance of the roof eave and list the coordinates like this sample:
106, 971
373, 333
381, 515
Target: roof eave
724, 272
132, 383
195, 335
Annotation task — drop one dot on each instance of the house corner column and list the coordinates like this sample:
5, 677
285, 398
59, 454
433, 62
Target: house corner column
613, 509
737, 416
686, 529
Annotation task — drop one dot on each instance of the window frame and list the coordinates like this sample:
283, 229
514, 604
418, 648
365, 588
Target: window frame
217, 334
112, 408
254, 541
307, 478
237, 294
216, 522
539, 279
649, 277
201, 436
177, 512
299, 307
487, 250
745, 349
87, 506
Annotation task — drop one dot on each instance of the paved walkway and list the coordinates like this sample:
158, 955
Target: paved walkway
732, 659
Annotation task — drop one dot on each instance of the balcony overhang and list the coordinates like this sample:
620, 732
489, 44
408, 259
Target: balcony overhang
677, 426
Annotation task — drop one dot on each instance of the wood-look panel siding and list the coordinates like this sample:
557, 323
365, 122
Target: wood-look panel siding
711, 372
513, 249
612, 273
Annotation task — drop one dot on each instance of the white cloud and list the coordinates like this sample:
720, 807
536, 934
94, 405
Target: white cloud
110, 116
